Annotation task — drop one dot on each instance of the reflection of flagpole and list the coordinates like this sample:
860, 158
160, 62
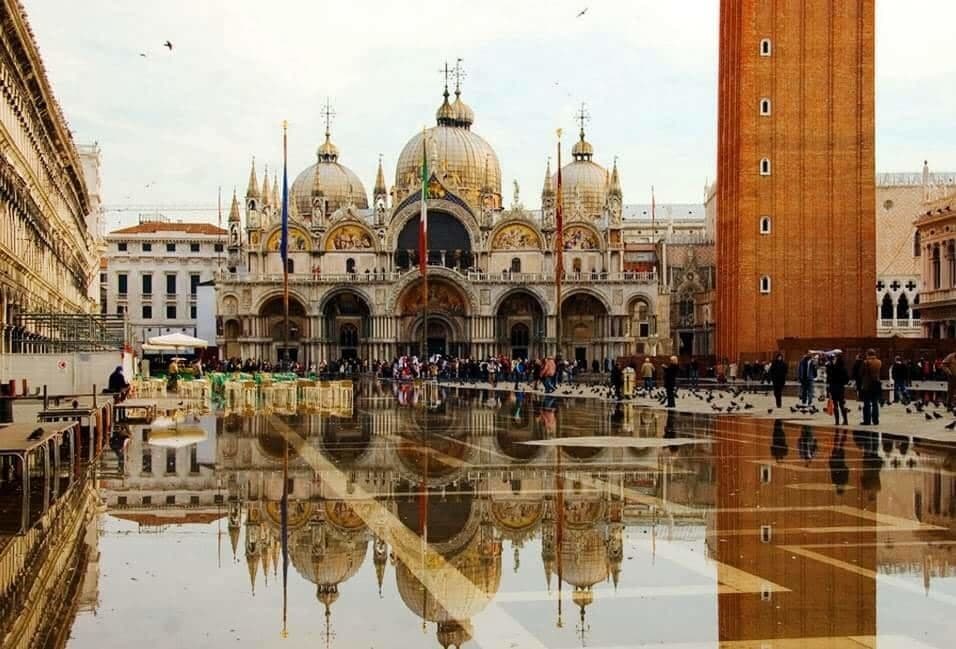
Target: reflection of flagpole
284, 518
559, 535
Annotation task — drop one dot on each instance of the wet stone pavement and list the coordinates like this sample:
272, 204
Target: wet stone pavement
447, 517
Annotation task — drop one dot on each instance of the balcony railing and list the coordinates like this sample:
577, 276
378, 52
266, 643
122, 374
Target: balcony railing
471, 276
902, 323
937, 296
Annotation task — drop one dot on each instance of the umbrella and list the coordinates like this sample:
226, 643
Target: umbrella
177, 436
177, 341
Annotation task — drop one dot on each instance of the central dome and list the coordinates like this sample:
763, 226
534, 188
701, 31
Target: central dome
338, 184
459, 154
583, 182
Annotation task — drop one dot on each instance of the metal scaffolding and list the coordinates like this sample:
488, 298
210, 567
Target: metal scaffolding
69, 332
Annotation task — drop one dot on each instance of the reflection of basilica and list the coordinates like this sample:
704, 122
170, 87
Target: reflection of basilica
355, 290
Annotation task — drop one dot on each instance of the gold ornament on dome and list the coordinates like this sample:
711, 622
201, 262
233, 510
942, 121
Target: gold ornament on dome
435, 189
298, 241
254, 239
580, 238
516, 237
441, 297
348, 237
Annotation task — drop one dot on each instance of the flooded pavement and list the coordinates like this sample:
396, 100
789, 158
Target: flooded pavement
453, 517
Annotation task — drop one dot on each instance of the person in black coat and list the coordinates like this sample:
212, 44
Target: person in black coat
778, 377
837, 378
617, 380
670, 381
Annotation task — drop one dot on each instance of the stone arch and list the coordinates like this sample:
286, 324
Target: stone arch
335, 292
526, 290
293, 295
586, 291
572, 239
414, 209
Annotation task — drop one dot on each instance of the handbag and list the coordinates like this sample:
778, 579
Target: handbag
829, 406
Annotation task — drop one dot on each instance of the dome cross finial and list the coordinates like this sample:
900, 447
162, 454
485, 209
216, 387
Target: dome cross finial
446, 72
328, 114
582, 116
459, 75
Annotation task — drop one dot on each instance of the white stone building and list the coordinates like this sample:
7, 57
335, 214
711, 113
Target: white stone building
152, 272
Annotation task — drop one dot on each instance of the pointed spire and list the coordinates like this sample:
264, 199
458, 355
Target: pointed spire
275, 190
615, 178
548, 180
252, 562
380, 188
264, 194
252, 190
234, 217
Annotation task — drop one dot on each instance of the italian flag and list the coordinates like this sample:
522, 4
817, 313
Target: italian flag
423, 219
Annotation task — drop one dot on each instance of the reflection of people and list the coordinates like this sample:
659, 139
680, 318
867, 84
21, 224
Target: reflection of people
117, 383
839, 471
778, 445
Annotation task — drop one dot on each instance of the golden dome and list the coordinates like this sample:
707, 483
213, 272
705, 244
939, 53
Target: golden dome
340, 562
338, 184
583, 182
451, 599
584, 560
455, 152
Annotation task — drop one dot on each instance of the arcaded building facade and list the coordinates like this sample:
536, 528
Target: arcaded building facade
355, 288
795, 226
47, 244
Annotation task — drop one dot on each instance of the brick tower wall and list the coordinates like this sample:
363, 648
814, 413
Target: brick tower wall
819, 138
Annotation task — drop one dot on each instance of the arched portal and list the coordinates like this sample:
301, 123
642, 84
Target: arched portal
285, 342
448, 243
519, 324
447, 313
345, 322
584, 322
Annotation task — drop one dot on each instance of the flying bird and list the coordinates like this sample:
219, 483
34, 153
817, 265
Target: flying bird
583, 11
143, 54
168, 45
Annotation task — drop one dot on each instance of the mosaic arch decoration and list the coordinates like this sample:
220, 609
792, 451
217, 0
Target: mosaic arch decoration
578, 237
299, 241
516, 237
349, 237
441, 297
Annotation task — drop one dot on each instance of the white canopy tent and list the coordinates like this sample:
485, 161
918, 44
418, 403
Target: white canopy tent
175, 341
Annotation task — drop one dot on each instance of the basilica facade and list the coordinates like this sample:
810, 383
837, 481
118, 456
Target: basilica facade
354, 284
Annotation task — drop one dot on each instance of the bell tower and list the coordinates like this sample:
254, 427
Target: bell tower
796, 173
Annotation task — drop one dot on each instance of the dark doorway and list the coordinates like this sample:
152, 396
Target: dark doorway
293, 354
686, 343
437, 346
581, 355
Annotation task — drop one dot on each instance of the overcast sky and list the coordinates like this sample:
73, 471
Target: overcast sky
174, 126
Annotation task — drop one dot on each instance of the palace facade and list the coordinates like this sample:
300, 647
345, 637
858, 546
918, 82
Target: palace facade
354, 285
49, 223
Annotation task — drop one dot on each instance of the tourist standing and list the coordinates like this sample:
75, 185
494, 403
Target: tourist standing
806, 373
617, 380
670, 381
872, 388
900, 374
837, 378
647, 373
778, 377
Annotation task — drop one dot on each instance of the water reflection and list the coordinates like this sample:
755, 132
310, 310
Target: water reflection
491, 519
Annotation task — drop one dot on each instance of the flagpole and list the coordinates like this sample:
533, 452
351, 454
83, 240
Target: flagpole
219, 210
423, 248
285, 246
558, 254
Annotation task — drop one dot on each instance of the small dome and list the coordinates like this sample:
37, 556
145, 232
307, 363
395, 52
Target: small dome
446, 113
584, 558
464, 115
337, 183
582, 150
340, 563
584, 181
327, 152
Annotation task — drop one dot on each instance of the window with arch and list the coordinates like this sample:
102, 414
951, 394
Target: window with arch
642, 317
936, 268
886, 307
576, 265
903, 308
685, 309
765, 284
350, 266
917, 248
766, 49
765, 167
765, 106
348, 335
515, 265
765, 225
